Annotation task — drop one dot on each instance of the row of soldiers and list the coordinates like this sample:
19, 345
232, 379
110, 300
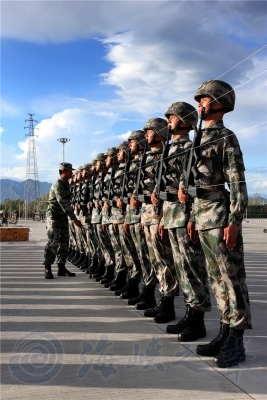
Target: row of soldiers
155, 210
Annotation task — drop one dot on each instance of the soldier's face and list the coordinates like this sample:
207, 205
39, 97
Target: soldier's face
133, 145
109, 161
98, 166
204, 102
120, 155
150, 136
84, 173
173, 121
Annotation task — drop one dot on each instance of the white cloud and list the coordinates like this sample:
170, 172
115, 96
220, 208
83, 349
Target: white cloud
123, 136
1, 130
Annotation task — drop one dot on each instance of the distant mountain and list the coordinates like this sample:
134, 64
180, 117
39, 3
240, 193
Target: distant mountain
14, 190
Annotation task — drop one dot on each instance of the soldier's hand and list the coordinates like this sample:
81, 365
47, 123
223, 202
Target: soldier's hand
126, 228
154, 199
115, 228
163, 233
106, 206
78, 223
192, 232
183, 198
134, 203
230, 235
120, 203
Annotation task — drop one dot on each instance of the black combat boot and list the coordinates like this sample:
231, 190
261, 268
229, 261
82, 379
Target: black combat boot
85, 265
195, 327
135, 300
214, 347
93, 267
167, 313
71, 254
232, 352
119, 282
108, 275
152, 312
75, 257
99, 271
80, 260
48, 272
148, 300
182, 324
62, 271
131, 290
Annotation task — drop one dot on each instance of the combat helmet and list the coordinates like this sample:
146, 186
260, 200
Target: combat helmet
139, 136
125, 147
187, 113
111, 151
219, 91
100, 157
158, 125
87, 166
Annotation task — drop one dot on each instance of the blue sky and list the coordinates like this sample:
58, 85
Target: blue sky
93, 71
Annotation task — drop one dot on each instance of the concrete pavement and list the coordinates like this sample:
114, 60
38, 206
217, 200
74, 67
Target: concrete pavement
71, 338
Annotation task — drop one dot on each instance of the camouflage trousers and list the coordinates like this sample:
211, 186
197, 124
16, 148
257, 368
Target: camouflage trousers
90, 242
129, 254
120, 264
97, 255
72, 235
58, 242
160, 254
105, 245
228, 277
139, 240
189, 261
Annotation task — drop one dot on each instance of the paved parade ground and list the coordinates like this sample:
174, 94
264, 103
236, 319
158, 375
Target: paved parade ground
69, 338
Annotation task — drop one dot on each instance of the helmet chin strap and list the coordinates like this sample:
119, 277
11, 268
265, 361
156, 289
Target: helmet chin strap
179, 128
155, 141
211, 111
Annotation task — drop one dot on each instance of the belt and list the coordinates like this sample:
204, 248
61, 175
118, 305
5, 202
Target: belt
172, 197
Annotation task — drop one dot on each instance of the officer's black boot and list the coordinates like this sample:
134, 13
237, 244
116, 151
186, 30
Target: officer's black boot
148, 300
182, 324
119, 282
214, 347
195, 327
48, 272
131, 290
108, 275
135, 300
152, 312
167, 313
232, 352
62, 271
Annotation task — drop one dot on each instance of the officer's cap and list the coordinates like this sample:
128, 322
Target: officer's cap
64, 166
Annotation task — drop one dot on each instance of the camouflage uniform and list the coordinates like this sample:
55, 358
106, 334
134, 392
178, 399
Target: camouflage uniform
188, 257
133, 219
58, 211
160, 252
221, 161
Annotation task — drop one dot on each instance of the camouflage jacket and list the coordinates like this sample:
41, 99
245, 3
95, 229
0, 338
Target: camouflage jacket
106, 214
148, 216
173, 214
220, 162
59, 201
116, 215
130, 216
96, 213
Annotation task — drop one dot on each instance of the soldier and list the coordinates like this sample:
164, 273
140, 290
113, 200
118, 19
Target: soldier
132, 264
158, 245
106, 256
218, 216
132, 227
59, 209
188, 257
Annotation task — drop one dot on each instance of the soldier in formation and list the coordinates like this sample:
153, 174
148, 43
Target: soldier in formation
155, 211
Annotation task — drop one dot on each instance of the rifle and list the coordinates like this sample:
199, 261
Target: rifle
139, 177
110, 187
124, 196
161, 174
191, 172
100, 195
